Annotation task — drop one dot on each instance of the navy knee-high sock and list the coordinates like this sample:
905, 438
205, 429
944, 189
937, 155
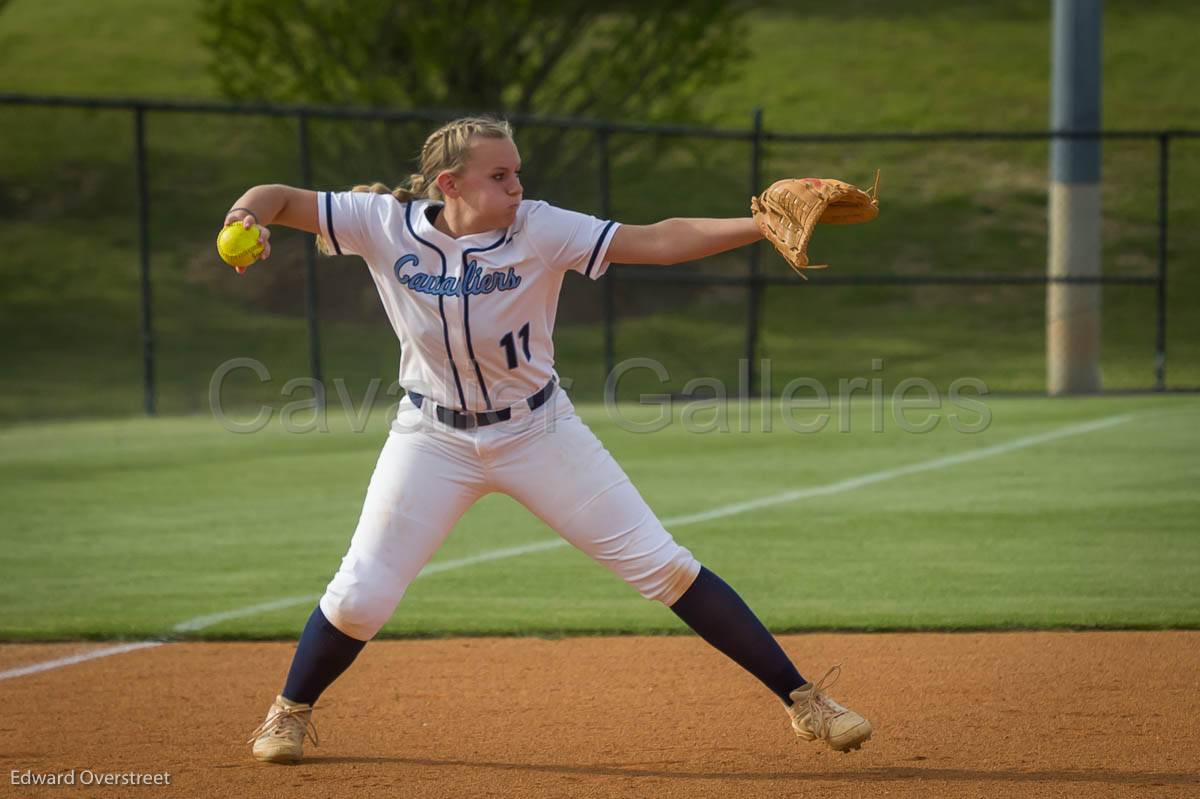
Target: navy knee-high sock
323, 654
720, 617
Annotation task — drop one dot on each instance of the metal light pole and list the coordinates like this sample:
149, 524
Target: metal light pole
1073, 309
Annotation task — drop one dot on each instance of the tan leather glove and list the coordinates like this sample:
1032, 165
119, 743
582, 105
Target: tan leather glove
788, 211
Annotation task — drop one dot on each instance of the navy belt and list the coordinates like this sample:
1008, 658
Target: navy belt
467, 421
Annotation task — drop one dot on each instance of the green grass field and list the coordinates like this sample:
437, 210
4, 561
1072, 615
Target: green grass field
128, 529
131, 528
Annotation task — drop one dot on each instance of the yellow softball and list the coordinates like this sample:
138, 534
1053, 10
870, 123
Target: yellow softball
238, 246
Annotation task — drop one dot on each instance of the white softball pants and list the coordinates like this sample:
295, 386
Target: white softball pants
429, 474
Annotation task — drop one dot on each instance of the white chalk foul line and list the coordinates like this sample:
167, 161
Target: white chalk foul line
73, 659
901, 471
841, 486
201, 622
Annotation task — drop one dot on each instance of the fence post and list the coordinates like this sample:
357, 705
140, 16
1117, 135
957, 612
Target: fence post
1160, 345
752, 259
143, 210
610, 279
310, 265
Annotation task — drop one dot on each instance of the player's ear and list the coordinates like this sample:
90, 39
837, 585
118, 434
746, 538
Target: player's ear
448, 183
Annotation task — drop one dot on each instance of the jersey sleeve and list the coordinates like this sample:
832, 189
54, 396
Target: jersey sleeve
569, 240
351, 220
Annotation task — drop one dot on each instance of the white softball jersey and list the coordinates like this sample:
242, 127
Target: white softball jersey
474, 316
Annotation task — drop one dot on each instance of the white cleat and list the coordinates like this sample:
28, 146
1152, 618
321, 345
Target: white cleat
815, 716
280, 739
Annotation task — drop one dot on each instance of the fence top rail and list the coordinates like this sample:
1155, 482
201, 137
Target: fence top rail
349, 112
981, 135
599, 125
655, 275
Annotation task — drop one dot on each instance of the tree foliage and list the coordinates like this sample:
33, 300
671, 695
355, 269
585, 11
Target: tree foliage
637, 61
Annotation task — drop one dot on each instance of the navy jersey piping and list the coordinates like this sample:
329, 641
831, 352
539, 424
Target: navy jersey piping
441, 303
329, 222
466, 298
596, 249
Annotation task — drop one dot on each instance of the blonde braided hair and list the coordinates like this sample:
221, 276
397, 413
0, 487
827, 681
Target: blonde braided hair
446, 149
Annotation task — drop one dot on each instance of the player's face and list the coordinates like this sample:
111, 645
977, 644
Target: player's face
491, 182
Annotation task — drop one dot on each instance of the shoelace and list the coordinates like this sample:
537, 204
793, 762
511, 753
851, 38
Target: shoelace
822, 709
284, 718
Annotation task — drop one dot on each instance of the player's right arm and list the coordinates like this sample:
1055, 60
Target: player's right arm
346, 222
276, 204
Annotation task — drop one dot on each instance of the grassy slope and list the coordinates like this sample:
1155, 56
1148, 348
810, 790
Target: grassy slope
128, 528
70, 324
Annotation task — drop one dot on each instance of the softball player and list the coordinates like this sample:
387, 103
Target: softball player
469, 272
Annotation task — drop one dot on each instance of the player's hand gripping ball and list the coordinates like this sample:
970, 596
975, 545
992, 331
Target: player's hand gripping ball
240, 245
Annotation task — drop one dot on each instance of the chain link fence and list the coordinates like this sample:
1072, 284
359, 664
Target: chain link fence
114, 300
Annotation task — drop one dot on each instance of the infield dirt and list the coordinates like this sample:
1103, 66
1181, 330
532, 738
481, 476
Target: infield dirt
990, 715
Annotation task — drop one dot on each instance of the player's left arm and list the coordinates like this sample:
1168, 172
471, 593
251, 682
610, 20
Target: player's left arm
674, 241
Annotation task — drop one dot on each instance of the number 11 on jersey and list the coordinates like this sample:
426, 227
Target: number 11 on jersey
510, 345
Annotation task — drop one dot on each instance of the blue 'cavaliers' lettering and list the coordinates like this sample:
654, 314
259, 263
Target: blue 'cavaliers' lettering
474, 282
403, 262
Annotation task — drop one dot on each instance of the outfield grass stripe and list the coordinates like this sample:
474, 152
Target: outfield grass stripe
47, 665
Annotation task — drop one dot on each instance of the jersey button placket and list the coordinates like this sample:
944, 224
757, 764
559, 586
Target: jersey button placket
458, 333
478, 379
